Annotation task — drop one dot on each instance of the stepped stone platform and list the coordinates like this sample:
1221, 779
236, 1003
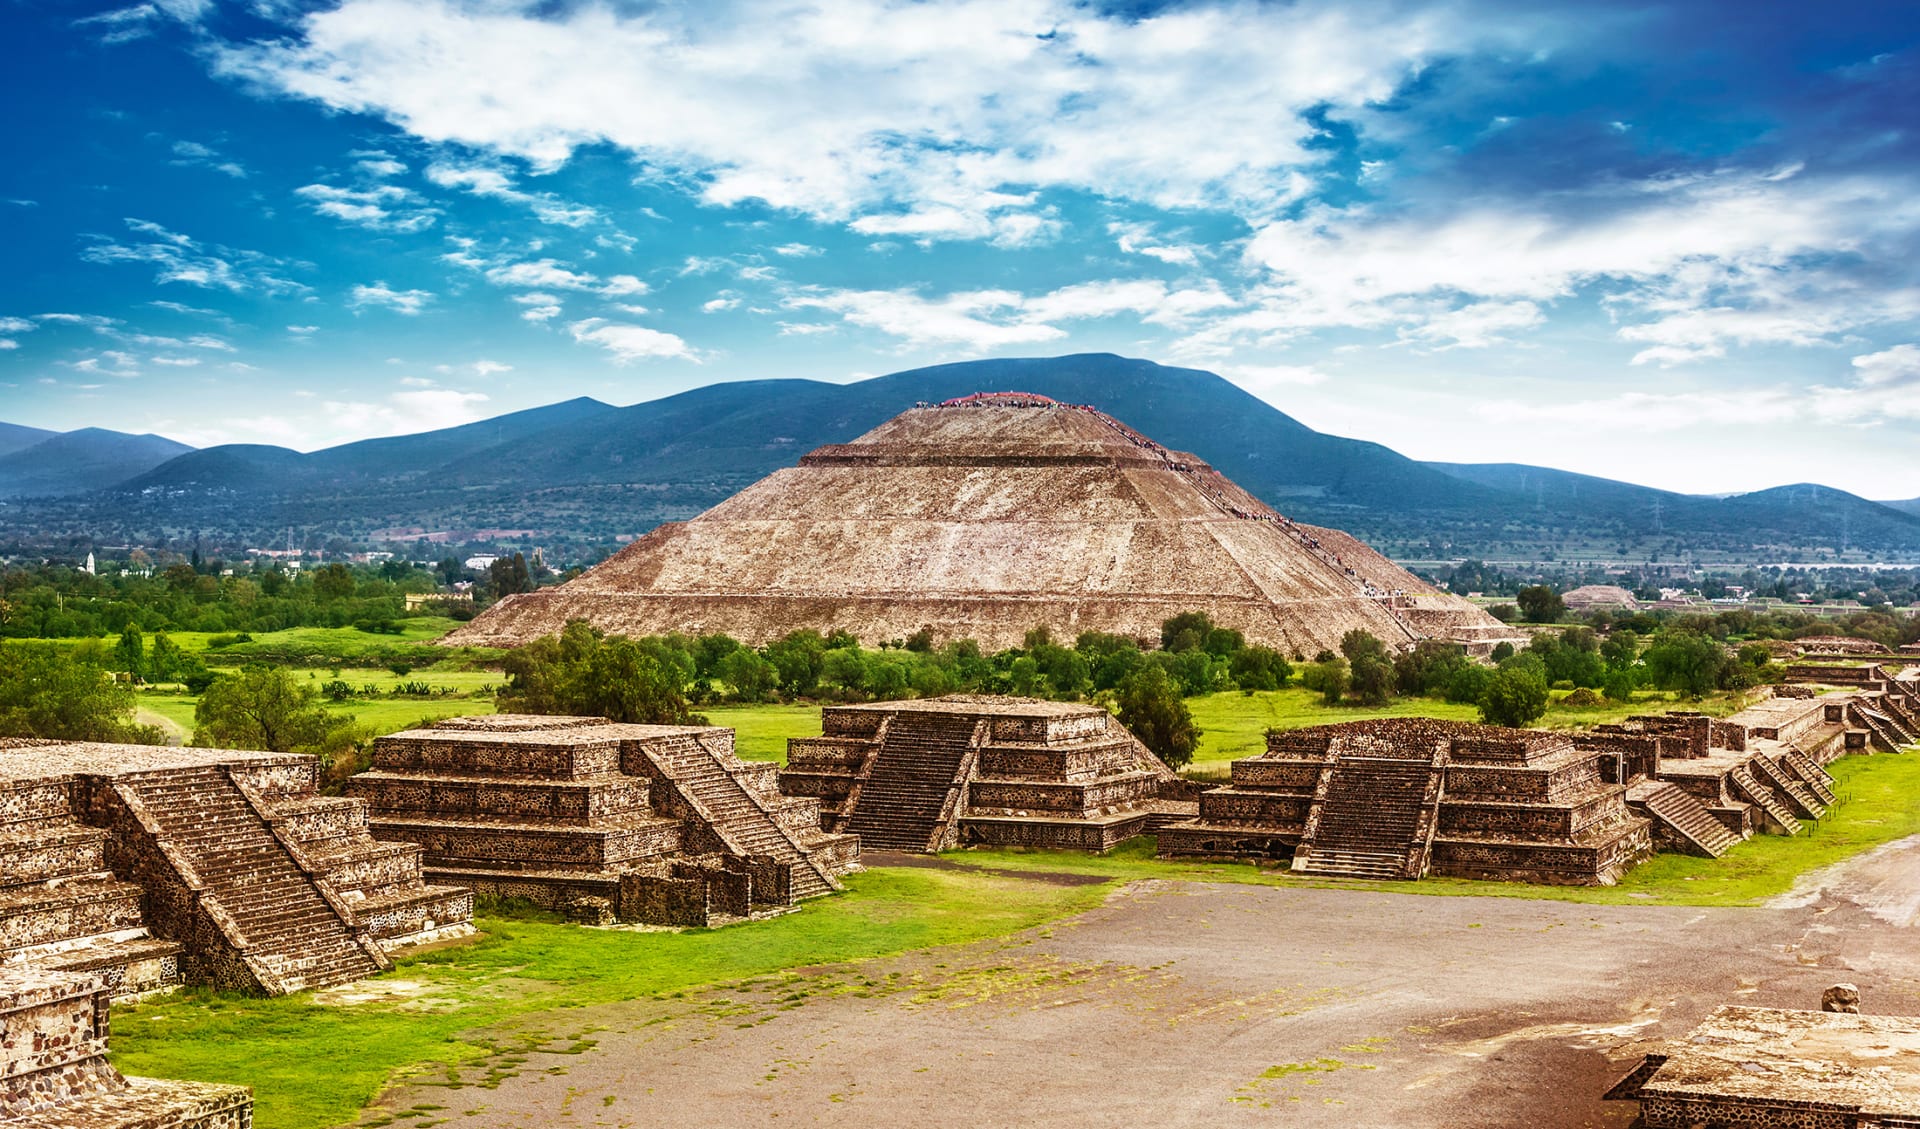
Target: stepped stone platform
980, 518
966, 770
1762, 769
151, 866
1407, 797
54, 1072
601, 821
1774, 1068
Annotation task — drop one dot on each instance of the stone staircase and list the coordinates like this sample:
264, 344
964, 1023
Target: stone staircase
1886, 732
1763, 797
1817, 779
909, 797
739, 816
1368, 822
1683, 813
270, 909
1805, 804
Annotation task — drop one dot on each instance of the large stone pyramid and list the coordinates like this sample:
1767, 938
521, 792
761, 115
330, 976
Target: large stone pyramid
981, 518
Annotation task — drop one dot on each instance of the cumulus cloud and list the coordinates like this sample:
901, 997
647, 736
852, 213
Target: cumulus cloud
898, 117
631, 342
381, 296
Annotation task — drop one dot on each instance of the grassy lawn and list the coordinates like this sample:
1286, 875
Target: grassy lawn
760, 732
315, 1065
381, 715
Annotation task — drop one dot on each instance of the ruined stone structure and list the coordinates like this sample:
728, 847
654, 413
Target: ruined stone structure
1709, 783
966, 770
1772, 1068
150, 866
981, 519
604, 822
54, 1072
1407, 797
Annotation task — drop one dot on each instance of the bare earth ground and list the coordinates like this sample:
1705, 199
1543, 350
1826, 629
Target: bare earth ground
1186, 1004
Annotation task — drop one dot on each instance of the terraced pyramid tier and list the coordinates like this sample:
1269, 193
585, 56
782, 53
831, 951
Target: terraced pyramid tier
982, 518
654, 823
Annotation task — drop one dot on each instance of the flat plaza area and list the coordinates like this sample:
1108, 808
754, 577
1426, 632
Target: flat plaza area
1198, 1004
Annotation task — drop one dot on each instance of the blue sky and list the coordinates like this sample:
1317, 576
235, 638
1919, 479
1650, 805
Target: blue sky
1674, 244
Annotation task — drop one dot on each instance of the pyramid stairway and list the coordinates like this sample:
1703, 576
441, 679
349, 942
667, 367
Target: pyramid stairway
1368, 820
1682, 812
287, 930
914, 780
740, 816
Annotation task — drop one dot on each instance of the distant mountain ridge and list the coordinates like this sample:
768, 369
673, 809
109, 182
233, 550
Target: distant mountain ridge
583, 471
76, 462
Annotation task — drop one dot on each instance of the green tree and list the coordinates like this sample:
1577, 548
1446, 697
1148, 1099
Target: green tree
587, 672
749, 673
263, 707
130, 653
1151, 706
1685, 661
65, 694
333, 582
1370, 668
1260, 668
509, 576
1516, 695
1329, 678
1540, 604
1186, 631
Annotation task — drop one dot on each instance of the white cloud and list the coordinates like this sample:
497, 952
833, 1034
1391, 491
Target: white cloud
175, 362
1890, 368
303, 330
631, 342
982, 320
188, 154
934, 120
8, 343
382, 207
16, 325
540, 314
381, 296
725, 300
797, 250
488, 181
1477, 326
1262, 380
180, 258
1687, 265
488, 368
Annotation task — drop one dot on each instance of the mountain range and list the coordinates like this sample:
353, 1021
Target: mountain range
584, 473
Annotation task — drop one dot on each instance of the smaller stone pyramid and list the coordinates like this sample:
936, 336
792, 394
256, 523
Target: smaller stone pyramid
653, 823
965, 770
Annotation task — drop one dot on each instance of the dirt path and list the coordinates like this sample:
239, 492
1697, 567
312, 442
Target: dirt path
1186, 1004
176, 733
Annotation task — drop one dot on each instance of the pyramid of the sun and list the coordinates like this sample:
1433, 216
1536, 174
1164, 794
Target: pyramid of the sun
982, 518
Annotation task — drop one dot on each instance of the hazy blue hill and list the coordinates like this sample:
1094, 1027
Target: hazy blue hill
257, 469
245, 467
77, 462
18, 437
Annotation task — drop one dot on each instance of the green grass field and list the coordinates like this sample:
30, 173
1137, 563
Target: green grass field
760, 732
